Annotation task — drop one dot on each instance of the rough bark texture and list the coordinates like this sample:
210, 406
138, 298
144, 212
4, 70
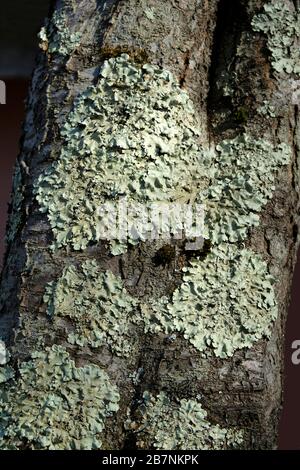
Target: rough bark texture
197, 41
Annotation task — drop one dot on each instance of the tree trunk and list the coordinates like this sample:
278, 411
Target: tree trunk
139, 396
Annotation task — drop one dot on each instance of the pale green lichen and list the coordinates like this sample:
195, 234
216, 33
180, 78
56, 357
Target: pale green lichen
267, 109
183, 425
245, 170
280, 21
225, 302
101, 311
15, 217
135, 135
57, 37
132, 135
150, 14
55, 405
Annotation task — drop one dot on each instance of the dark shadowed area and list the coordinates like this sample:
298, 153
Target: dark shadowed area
20, 21
11, 117
289, 437
17, 49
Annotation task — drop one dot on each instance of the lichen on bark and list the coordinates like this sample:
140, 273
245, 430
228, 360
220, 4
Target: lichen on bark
52, 404
100, 309
179, 426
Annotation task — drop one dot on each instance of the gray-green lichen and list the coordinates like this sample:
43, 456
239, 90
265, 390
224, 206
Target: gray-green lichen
267, 109
101, 311
225, 302
55, 405
135, 136
150, 14
280, 21
183, 425
243, 183
15, 217
57, 37
132, 135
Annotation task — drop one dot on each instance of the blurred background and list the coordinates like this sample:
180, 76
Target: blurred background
20, 21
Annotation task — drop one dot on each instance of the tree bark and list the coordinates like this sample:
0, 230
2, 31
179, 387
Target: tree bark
200, 42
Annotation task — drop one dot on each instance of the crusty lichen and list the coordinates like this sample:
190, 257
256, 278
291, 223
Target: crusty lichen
226, 302
280, 21
245, 170
101, 310
55, 405
181, 425
56, 36
132, 135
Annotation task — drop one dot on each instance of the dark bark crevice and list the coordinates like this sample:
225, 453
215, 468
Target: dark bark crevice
232, 21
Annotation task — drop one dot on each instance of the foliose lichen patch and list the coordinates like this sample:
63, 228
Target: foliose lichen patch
181, 425
101, 310
56, 36
132, 135
280, 21
55, 405
135, 136
243, 183
225, 302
